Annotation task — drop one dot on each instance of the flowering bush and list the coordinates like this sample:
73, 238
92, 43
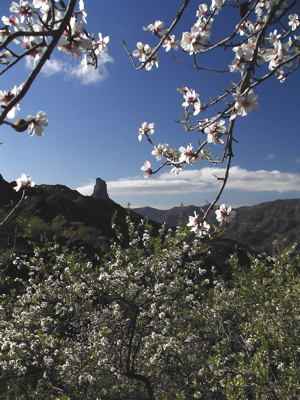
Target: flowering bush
151, 320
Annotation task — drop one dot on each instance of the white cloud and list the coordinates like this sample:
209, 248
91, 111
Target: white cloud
203, 180
271, 157
297, 160
72, 69
93, 75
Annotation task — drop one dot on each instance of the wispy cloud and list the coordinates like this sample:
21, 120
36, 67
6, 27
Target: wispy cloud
73, 70
271, 157
203, 180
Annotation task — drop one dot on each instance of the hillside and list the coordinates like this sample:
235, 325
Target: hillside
68, 213
255, 226
59, 210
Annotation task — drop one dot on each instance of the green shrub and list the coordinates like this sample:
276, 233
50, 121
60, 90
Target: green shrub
148, 321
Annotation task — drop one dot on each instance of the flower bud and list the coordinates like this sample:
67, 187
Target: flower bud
20, 125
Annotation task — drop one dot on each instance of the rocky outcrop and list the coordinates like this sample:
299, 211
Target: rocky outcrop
100, 190
7, 193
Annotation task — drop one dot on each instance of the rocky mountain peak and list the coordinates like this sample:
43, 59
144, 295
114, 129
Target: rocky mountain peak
100, 190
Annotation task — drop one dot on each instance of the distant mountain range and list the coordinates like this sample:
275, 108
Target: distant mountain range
255, 226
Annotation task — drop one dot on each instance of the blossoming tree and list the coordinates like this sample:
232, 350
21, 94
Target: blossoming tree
34, 29
262, 44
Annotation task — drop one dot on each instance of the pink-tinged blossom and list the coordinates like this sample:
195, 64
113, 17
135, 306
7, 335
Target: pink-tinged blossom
146, 129
214, 132
191, 98
144, 53
5, 56
4, 33
245, 103
6, 97
273, 36
70, 47
101, 45
23, 181
294, 21
156, 28
36, 123
176, 169
244, 27
225, 214
202, 123
12, 21
151, 62
77, 42
216, 5
202, 11
24, 9
147, 169
276, 55
170, 43
239, 62
160, 150
43, 5
201, 228
193, 42
187, 155
141, 51
29, 42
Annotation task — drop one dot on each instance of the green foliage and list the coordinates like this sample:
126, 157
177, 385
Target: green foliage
88, 234
150, 320
36, 228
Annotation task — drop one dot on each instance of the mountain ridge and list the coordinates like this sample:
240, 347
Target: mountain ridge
256, 226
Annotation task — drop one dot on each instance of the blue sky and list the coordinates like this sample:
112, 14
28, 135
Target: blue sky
94, 119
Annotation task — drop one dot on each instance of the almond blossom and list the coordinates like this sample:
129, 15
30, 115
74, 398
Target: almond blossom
76, 42
36, 123
277, 54
156, 28
191, 98
215, 131
201, 228
24, 180
170, 43
12, 21
186, 153
244, 103
6, 97
147, 169
176, 169
202, 10
146, 129
101, 45
144, 53
160, 150
193, 42
294, 21
43, 5
225, 214
216, 5
24, 9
